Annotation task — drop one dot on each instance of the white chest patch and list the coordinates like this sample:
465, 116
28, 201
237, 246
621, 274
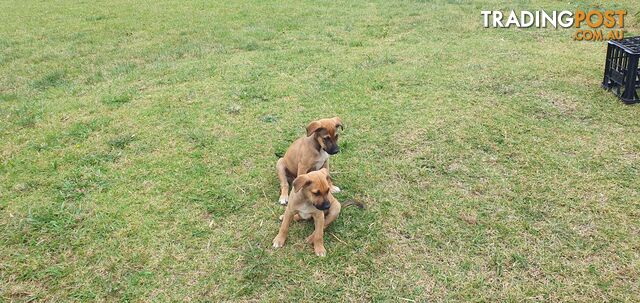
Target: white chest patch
322, 159
305, 212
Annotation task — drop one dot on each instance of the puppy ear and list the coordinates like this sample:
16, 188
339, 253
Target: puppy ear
300, 182
338, 122
313, 127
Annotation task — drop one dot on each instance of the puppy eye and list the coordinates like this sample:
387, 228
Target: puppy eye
316, 193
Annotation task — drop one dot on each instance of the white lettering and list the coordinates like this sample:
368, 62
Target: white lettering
497, 19
512, 20
568, 21
485, 18
523, 18
551, 19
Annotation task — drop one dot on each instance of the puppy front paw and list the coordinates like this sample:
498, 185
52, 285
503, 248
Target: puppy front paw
320, 251
283, 200
335, 189
278, 242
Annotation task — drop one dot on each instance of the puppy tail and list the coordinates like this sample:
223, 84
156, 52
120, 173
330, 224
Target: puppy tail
348, 203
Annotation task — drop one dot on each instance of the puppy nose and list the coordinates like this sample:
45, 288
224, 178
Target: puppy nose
325, 205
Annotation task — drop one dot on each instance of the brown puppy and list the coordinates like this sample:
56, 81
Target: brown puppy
310, 198
309, 153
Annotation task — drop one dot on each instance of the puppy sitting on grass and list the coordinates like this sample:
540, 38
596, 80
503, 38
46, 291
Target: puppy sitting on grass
309, 153
310, 198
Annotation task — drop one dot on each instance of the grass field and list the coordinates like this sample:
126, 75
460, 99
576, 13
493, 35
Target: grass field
137, 146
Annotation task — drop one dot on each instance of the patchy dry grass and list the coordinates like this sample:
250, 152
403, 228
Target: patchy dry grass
137, 154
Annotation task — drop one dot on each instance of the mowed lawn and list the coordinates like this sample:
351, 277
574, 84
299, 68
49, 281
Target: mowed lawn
138, 142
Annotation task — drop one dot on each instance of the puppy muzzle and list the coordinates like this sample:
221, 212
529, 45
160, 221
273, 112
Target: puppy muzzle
324, 206
333, 151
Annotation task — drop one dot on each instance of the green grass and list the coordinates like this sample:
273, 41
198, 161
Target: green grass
137, 148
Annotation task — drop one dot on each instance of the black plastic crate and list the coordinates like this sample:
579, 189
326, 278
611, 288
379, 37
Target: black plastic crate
621, 70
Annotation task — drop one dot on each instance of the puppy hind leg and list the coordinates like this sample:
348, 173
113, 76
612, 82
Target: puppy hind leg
334, 211
284, 184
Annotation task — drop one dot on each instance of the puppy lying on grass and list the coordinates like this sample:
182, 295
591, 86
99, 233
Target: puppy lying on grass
310, 198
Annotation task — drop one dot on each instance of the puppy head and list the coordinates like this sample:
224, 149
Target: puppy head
326, 133
315, 187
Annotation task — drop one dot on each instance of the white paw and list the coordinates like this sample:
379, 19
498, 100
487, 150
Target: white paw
321, 252
277, 243
283, 200
335, 189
